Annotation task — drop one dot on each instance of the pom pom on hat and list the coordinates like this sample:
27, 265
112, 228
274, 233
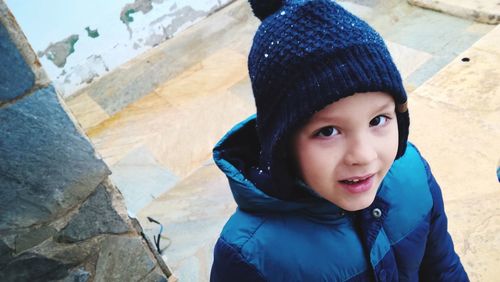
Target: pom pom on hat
264, 8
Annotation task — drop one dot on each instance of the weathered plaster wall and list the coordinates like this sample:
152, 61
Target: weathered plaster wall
79, 41
61, 219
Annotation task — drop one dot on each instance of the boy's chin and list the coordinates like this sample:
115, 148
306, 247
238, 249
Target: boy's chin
358, 205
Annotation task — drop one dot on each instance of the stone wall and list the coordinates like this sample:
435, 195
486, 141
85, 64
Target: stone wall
61, 219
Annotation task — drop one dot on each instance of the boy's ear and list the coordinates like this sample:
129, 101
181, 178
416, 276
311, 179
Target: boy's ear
403, 131
401, 108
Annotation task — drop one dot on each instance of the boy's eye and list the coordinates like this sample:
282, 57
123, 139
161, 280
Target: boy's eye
327, 131
379, 121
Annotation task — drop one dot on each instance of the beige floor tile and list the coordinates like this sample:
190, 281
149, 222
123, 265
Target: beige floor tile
216, 72
489, 42
470, 82
129, 129
462, 150
208, 111
471, 85
189, 140
407, 59
475, 227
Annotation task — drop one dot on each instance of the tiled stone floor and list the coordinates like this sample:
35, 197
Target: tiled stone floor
159, 147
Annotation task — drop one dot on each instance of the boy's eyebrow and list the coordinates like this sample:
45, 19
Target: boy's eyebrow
329, 118
384, 106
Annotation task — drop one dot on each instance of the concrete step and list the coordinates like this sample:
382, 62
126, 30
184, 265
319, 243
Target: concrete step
483, 11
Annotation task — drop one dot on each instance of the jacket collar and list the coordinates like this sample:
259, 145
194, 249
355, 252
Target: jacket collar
236, 154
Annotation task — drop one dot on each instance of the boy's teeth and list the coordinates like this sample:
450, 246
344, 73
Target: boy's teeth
352, 181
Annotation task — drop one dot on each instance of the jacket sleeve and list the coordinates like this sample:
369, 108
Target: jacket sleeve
440, 262
229, 265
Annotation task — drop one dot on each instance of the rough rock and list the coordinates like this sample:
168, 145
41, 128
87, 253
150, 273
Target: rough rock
16, 76
96, 216
123, 259
47, 166
79, 253
33, 267
33, 237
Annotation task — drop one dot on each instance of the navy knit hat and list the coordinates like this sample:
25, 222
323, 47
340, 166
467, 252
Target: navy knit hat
307, 54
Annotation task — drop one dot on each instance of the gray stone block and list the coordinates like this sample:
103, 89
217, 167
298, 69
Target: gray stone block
96, 216
33, 267
81, 253
16, 77
47, 166
123, 259
33, 237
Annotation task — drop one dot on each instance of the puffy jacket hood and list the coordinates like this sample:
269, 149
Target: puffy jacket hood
237, 153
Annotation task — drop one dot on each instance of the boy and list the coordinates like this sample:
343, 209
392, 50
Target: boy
327, 187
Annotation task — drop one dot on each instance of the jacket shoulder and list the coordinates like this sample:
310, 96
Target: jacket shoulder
230, 264
241, 227
407, 190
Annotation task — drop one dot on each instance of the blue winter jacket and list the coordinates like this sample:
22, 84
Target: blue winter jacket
402, 236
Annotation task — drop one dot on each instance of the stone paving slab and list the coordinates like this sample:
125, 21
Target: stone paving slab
485, 11
87, 111
141, 179
475, 226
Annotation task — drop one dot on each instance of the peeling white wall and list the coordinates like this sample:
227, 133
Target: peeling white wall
74, 57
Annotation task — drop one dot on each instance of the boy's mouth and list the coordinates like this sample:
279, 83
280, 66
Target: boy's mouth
355, 180
358, 184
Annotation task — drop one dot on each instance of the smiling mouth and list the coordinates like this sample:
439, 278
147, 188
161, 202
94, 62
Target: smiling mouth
358, 184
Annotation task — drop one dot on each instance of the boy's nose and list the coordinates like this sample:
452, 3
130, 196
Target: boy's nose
360, 151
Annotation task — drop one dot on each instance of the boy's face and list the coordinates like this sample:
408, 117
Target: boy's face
346, 149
